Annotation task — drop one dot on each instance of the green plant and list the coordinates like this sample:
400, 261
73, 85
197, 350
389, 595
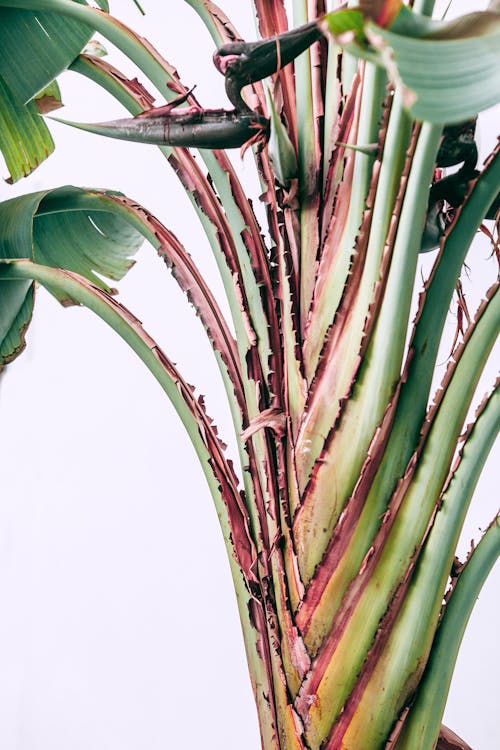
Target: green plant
314, 376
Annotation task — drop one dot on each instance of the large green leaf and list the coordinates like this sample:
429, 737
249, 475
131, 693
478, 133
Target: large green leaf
78, 230
34, 49
25, 140
445, 80
52, 41
449, 71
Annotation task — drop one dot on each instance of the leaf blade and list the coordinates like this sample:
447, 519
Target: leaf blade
25, 140
53, 42
67, 227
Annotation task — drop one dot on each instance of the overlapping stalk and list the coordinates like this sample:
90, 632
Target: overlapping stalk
349, 499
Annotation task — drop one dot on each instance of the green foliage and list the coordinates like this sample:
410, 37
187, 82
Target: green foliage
42, 46
448, 71
66, 227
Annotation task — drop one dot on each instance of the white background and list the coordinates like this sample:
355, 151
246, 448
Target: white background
118, 624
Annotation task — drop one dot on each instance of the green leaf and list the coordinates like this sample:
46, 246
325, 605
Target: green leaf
25, 140
341, 21
424, 600
70, 228
80, 231
281, 150
421, 727
402, 661
448, 71
16, 309
443, 80
408, 23
35, 47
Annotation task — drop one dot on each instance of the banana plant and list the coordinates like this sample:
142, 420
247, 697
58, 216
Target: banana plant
342, 515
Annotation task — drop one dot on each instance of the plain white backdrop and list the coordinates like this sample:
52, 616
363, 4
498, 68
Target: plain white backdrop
119, 626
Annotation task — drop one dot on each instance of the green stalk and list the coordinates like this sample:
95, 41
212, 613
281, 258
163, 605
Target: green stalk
349, 62
85, 66
367, 603
396, 144
403, 658
294, 386
307, 168
200, 7
252, 289
421, 728
286, 725
413, 398
349, 346
347, 351
424, 346
324, 308
332, 91
235, 222
414, 631
332, 96
260, 324
378, 376
258, 317
385, 354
